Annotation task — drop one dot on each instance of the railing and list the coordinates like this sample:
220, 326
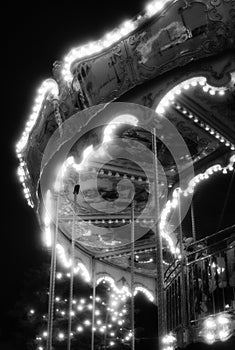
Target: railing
208, 267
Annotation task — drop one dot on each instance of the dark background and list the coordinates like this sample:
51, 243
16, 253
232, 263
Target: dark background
38, 33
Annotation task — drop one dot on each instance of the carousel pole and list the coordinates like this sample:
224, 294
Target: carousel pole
132, 274
72, 272
193, 221
52, 279
93, 307
184, 306
159, 256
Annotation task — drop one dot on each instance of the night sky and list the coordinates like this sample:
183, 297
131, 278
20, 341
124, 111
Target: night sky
39, 34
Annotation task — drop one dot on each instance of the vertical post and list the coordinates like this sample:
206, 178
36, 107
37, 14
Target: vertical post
71, 275
52, 278
183, 273
159, 256
133, 274
93, 308
193, 221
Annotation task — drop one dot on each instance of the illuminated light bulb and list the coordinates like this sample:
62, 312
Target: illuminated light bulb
72, 313
223, 334
44, 334
79, 328
87, 322
160, 109
57, 299
210, 323
111, 343
32, 311
222, 320
186, 86
112, 334
62, 313
210, 337
89, 306
202, 81
61, 336
221, 92
99, 322
205, 88
59, 275
212, 92
82, 301
97, 312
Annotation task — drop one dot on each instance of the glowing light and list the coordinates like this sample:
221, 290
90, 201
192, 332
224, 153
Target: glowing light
61, 336
122, 119
48, 86
87, 323
222, 320
59, 275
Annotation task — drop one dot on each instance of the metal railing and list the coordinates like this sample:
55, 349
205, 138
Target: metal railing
209, 274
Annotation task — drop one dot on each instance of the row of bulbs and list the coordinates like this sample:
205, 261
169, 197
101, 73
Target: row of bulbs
124, 292
49, 86
205, 126
173, 203
23, 176
186, 85
109, 39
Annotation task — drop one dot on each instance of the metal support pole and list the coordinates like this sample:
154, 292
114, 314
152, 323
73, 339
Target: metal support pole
193, 221
133, 274
159, 255
93, 308
71, 276
183, 273
52, 279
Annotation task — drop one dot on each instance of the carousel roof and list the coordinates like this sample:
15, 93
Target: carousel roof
170, 69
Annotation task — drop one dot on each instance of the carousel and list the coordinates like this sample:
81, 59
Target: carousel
116, 146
